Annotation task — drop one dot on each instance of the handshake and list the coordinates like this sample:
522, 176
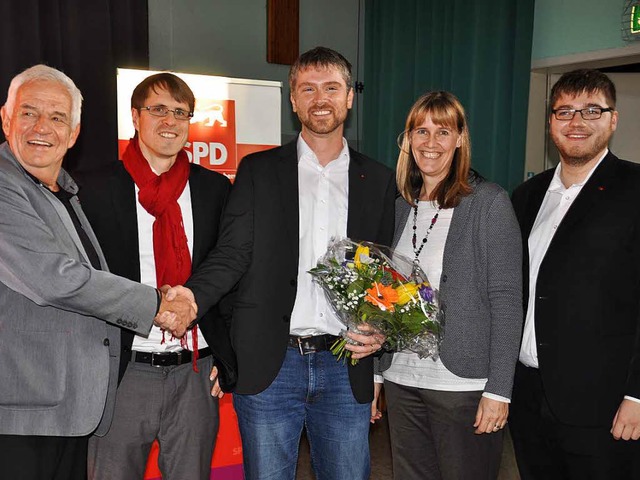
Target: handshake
178, 310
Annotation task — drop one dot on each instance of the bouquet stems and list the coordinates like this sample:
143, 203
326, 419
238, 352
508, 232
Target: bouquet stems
341, 353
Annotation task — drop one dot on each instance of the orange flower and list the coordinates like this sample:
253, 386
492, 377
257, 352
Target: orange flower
382, 296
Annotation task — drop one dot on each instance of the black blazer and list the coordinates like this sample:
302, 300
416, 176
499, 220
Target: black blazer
258, 246
109, 201
588, 294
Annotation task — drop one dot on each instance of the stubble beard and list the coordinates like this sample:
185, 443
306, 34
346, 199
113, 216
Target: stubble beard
323, 126
577, 156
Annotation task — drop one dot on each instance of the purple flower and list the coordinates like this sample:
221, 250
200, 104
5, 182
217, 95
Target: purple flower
426, 293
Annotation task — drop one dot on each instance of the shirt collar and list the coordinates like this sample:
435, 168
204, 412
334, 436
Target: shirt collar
556, 184
305, 152
65, 182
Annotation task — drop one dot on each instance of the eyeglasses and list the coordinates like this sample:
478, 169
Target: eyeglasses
421, 135
589, 113
162, 111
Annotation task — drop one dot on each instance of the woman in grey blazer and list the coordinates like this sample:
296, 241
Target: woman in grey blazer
446, 416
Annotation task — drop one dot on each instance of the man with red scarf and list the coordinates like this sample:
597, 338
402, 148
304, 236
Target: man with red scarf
157, 215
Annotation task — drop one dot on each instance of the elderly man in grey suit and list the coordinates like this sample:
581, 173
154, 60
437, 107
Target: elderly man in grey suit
59, 308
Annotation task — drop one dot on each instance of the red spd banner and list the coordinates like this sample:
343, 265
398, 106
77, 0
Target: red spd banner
212, 136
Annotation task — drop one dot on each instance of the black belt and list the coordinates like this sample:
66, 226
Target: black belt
166, 359
312, 343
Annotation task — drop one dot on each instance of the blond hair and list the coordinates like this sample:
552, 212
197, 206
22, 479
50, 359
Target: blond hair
446, 110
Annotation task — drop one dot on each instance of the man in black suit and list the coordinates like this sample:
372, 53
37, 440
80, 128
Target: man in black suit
285, 206
576, 401
156, 217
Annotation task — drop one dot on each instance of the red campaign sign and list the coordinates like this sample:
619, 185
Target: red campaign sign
212, 136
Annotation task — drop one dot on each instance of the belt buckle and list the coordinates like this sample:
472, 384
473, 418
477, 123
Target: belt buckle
302, 352
161, 355
153, 357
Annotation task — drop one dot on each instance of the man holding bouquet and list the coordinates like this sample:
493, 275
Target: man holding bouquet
285, 206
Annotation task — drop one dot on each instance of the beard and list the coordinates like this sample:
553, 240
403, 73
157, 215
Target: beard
577, 155
326, 124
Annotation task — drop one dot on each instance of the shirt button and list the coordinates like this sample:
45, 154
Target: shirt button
567, 197
321, 314
105, 342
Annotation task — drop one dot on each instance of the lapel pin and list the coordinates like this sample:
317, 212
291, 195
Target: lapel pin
601, 188
362, 176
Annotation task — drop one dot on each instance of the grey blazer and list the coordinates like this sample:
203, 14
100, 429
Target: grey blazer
480, 288
58, 356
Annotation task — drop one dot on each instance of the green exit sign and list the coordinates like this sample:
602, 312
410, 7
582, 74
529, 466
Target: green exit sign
634, 24
631, 20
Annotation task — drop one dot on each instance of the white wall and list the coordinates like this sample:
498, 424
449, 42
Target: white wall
626, 140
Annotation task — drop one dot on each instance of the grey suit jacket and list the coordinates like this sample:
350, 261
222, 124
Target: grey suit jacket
58, 356
480, 287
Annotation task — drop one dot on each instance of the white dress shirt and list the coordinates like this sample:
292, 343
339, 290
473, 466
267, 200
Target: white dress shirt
323, 198
153, 343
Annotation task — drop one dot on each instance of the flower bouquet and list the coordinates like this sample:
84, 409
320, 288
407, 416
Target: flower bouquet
387, 291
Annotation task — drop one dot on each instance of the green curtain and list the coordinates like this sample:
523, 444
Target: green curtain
480, 50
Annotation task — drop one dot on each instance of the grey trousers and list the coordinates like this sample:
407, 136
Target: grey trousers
432, 436
171, 404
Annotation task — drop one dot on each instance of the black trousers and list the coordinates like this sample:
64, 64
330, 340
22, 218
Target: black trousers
547, 449
27, 457
432, 435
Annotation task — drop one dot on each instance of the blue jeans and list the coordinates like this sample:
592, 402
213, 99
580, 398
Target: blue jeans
311, 391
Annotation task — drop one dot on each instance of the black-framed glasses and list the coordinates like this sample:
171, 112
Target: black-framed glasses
162, 111
588, 113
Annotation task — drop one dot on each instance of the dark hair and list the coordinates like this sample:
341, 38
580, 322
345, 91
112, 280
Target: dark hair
446, 110
321, 57
584, 81
177, 87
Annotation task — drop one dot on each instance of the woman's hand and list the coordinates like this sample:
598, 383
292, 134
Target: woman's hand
491, 416
376, 414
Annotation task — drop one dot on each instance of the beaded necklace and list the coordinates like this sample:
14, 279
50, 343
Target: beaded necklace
414, 239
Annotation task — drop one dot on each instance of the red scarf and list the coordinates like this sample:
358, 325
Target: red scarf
159, 196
